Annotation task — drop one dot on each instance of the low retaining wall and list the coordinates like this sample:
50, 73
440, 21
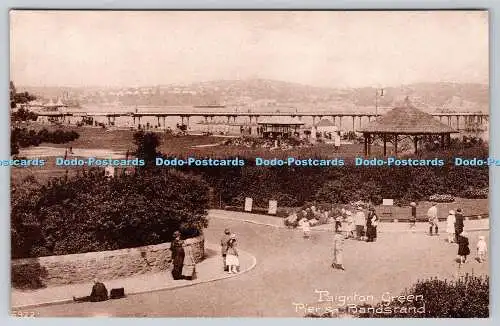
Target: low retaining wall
104, 265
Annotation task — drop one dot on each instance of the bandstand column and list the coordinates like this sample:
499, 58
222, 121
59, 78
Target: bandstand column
365, 137
385, 145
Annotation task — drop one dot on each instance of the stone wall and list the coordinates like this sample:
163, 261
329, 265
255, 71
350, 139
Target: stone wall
104, 265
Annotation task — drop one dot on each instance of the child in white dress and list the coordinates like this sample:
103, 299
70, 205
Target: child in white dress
306, 228
482, 249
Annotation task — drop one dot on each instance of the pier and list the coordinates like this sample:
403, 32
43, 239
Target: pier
456, 120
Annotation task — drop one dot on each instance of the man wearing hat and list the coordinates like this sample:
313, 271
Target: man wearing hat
433, 218
450, 226
359, 221
413, 219
459, 223
223, 243
338, 249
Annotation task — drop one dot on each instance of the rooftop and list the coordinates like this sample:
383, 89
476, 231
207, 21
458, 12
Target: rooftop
407, 119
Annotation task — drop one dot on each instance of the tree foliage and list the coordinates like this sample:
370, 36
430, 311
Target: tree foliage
147, 144
18, 98
91, 212
25, 138
466, 297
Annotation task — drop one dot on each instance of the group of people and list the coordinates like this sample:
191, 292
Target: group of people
454, 230
358, 225
184, 263
456, 234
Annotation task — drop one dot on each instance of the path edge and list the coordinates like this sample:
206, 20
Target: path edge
161, 288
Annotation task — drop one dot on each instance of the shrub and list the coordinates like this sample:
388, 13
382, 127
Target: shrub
21, 137
30, 276
90, 212
467, 297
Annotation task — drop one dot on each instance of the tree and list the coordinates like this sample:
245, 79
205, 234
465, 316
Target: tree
18, 98
90, 212
147, 144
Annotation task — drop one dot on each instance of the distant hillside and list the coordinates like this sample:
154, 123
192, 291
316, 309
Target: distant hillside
262, 92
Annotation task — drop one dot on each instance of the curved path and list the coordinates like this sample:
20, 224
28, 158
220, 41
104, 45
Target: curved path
289, 270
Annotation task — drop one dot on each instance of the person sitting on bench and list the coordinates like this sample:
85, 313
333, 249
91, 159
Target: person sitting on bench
99, 293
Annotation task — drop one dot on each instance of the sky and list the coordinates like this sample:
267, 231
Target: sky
338, 49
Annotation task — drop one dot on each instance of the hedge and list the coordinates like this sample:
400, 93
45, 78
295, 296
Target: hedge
293, 187
21, 137
91, 212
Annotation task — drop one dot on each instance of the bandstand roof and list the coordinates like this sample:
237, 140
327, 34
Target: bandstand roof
280, 121
407, 119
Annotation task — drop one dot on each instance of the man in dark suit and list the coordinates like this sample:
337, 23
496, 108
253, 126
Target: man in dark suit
459, 223
99, 293
223, 245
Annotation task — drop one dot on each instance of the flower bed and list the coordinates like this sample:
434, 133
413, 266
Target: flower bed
475, 193
442, 198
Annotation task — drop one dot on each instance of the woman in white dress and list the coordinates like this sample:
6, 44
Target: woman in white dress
232, 260
450, 226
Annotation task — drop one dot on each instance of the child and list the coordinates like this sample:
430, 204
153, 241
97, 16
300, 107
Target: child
232, 260
482, 249
338, 249
306, 228
463, 248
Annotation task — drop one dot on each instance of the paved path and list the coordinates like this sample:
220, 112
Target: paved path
210, 269
289, 270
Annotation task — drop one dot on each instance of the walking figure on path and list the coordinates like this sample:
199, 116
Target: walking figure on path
413, 219
463, 248
338, 249
459, 223
433, 219
189, 267
360, 220
232, 259
306, 229
223, 245
450, 227
371, 225
482, 249
177, 255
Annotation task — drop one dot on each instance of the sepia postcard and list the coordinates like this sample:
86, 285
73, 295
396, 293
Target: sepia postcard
308, 164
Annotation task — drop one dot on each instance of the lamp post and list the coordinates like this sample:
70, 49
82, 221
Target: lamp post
376, 98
